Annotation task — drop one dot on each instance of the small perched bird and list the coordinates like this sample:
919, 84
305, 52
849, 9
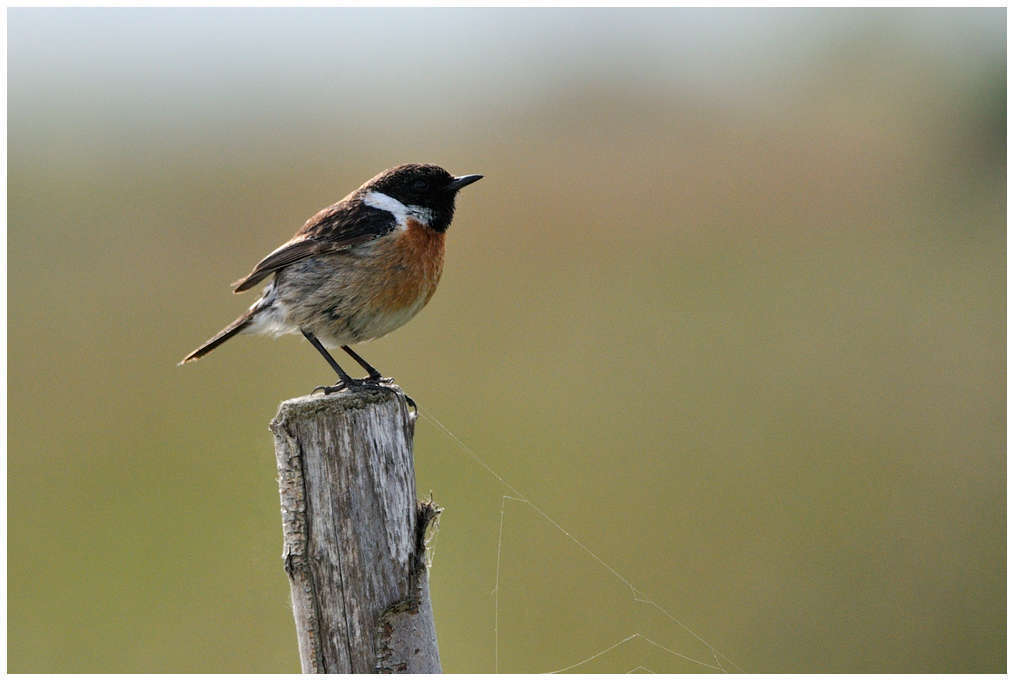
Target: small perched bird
356, 270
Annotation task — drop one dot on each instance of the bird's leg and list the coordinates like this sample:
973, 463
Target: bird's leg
374, 375
376, 378
345, 381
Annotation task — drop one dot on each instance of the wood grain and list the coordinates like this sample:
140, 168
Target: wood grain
353, 533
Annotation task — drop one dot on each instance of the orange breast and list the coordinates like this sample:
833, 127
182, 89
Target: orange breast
411, 265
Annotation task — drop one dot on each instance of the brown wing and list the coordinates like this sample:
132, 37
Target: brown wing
336, 228
279, 258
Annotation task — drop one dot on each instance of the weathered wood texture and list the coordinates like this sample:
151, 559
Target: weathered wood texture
353, 533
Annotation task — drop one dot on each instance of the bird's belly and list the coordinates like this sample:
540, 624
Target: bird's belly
373, 322
372, 290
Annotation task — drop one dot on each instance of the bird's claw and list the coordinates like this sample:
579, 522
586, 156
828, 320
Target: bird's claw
328, 389
353, 384
368, 382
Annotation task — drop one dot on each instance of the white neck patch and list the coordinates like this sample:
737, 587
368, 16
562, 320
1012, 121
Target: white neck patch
399, 210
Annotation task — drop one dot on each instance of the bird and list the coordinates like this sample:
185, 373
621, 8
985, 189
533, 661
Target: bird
356, 270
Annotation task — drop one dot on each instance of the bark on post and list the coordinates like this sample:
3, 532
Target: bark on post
353, 533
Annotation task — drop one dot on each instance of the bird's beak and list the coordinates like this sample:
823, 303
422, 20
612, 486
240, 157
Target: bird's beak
463, 181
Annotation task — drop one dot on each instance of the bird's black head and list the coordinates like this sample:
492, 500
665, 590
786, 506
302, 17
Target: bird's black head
424, 190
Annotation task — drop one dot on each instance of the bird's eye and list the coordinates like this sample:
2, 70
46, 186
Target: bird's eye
420, 185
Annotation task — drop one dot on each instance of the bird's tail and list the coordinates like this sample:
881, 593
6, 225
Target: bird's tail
225, 334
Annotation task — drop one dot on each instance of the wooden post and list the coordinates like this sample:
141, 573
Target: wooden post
354, 534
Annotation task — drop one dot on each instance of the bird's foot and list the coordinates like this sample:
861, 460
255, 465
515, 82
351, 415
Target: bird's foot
328, 389
351, 385
387, 382
354, 384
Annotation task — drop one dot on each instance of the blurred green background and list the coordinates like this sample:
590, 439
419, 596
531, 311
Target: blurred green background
729, 306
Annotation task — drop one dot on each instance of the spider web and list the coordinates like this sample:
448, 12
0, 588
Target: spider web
717, 662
